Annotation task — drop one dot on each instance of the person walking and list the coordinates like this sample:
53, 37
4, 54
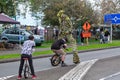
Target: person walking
102, 39
66, 29
57, 47
27, 50
82, 38
107, 34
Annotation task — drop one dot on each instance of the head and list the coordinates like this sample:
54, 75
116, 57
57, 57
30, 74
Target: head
106, 29
60, 12
31, 37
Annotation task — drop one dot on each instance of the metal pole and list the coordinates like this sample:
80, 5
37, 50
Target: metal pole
79, 34
111, 33
19, 38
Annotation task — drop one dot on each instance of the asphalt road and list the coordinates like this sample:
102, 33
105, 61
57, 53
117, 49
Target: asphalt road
43, 64
105, 69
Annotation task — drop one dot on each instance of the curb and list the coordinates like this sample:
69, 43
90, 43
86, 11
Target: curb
43, 56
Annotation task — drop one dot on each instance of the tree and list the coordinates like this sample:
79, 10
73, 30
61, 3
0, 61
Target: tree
76, 9
107, 7
7, 7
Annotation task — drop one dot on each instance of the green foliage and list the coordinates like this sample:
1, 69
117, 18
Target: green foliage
98, 46
44, 45
42, 52
75, 9
45, 52
8, 7
9, 56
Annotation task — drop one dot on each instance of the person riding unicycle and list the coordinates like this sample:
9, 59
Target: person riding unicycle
57, 47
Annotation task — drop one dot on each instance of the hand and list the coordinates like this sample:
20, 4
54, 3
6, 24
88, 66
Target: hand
33, 50
64, 46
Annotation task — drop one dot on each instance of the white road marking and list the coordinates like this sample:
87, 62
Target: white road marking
4, 78
79, 71
84, 67
110, 76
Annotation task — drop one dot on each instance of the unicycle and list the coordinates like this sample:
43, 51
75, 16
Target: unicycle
55, 59
26, 70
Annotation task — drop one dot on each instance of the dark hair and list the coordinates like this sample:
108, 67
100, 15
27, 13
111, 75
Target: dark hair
31, 37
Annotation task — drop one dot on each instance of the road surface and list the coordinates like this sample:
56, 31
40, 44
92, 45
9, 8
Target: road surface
8, 69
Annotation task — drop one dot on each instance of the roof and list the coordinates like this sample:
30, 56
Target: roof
6, 19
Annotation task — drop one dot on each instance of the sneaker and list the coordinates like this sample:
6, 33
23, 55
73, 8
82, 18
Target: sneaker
64, 65
19, 77
76, 62
34, 77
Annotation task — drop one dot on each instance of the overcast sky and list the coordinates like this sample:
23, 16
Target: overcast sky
27, 21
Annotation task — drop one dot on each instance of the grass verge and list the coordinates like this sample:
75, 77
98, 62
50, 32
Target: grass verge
85, 47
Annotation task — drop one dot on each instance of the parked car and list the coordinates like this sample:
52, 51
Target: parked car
17, 35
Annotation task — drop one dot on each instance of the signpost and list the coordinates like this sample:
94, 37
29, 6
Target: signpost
86, 33
112, 19
21, 38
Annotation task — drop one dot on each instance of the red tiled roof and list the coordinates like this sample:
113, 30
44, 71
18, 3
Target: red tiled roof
7, 19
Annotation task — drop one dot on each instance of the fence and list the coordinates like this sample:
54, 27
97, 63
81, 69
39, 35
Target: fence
49, 35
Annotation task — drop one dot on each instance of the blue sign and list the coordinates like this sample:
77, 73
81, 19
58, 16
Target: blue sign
112, 18
21, 37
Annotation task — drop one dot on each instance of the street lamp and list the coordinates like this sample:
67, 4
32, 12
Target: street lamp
14, 8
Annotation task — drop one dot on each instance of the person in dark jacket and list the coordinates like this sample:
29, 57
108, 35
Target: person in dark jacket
57, 47
106, 35
82, 38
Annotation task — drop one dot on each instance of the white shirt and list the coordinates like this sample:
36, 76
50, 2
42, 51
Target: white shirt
28, 47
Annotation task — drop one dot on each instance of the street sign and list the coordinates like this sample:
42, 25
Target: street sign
112, 18
86, 26
86, 34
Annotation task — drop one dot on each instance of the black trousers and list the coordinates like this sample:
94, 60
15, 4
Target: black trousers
82, 39
22, 63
